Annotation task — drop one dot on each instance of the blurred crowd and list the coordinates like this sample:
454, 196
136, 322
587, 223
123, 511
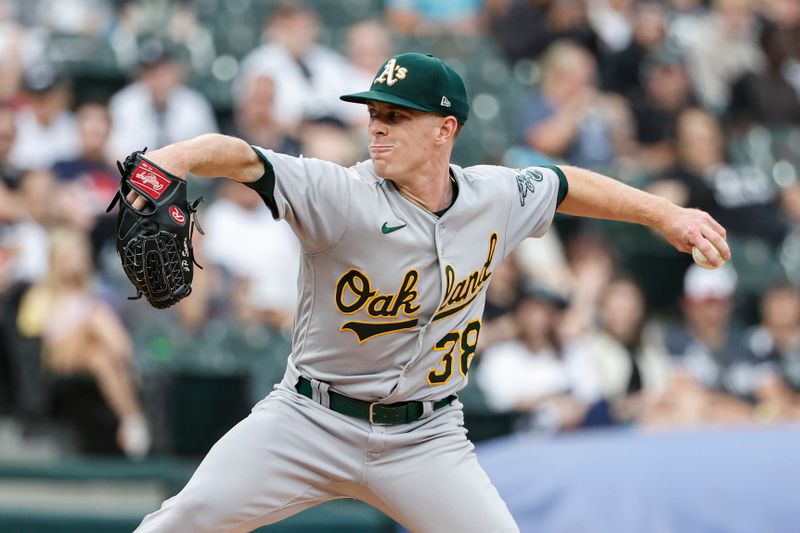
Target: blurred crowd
594, 324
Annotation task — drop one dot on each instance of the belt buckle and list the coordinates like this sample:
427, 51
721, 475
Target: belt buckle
372, 415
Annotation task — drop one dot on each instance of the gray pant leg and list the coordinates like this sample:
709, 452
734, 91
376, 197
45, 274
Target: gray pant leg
431, 479
276, 462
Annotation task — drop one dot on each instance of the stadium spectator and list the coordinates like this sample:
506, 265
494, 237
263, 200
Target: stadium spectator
426, 17
255, 115
664, 93
81, 334
509, 23
544, 260
686, 21
767, 96
776, 341
630, 367
88, 182
91, 172
157, 108
713, 378
309, 77
554, 20
742, 198
570, 118
591, 264
502, 296
30, 216
178, 22
46, 128
785, 14
368, 45
613, 22
535, 373
731, 27
623, 67
265, 273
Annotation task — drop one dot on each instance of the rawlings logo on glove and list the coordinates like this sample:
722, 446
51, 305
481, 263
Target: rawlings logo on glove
155, 243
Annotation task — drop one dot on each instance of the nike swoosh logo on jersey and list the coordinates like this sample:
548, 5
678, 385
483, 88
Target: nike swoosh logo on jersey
388, 229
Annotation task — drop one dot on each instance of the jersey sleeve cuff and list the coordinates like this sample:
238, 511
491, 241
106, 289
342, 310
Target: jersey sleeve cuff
563, 185
265, 185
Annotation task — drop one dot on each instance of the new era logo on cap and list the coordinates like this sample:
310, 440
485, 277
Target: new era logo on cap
445, 102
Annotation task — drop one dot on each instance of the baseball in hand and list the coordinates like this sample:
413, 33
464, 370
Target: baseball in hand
702, 261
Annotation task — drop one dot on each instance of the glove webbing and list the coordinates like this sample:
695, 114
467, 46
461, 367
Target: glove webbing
149, 249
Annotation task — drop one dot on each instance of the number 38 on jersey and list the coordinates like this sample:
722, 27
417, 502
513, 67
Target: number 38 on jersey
458, 348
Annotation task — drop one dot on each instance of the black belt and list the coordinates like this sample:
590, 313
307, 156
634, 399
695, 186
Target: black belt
376, 413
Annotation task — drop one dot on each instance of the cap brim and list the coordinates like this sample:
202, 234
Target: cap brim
378, 96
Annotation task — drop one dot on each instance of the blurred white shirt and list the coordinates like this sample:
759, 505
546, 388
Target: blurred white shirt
252, 245
136, 122
38, 145
299, 96
510, 374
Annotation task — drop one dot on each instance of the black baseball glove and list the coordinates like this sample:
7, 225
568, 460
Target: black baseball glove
155, 242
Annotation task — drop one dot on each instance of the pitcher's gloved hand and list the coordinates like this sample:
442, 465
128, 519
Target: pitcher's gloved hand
154, 242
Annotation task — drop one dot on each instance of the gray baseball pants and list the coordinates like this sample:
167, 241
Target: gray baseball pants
292, 453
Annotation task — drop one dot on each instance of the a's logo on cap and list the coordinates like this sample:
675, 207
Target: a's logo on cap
445, 102
392, 72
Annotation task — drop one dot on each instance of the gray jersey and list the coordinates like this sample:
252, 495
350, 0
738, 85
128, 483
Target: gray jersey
390, 295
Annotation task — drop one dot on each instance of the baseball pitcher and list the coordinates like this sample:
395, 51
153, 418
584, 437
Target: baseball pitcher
397, 254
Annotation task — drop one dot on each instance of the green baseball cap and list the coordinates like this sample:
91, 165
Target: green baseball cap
418, 81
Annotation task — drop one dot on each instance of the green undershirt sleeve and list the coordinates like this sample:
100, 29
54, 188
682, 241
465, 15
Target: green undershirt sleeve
265, 185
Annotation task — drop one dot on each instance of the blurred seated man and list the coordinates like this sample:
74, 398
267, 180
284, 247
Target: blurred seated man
46, 128
266, 274
91, 170
554, 20
157, 108
89, 181
714, 375
26, 214
369, 43
535, 373
570, 118
631, 369
308, 76
731, 27
255, 116
81, 334
776, 341
665, 92
768, 96
622, 67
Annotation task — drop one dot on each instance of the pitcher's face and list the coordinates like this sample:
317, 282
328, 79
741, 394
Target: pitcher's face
401, 140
